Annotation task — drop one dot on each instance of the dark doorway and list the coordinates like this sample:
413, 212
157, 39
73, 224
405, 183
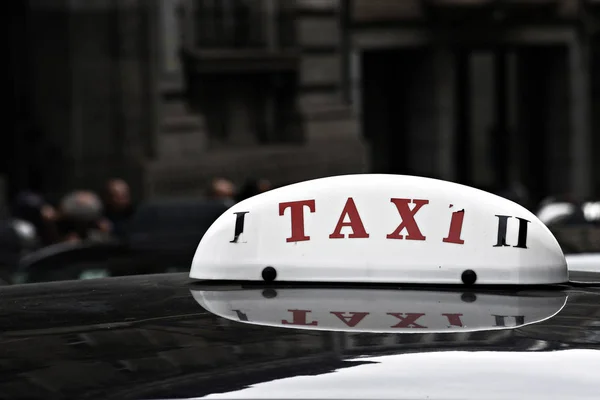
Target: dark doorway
595, 92
511, 122
24, 163
462, 128
543, 120
13, 167
388, 79
482, 131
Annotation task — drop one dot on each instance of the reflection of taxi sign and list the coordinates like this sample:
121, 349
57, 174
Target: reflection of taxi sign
380, 228
360, 310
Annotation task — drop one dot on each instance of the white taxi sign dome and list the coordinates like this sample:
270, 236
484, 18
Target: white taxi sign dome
375, 228
381, 311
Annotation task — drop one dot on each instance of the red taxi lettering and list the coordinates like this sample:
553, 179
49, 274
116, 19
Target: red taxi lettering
297, 218
407, 229
456, 224
408, 219
350, 320
454, 319
299, 317
354, 222
354, 319
407, 320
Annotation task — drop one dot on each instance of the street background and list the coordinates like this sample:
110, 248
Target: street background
115, 104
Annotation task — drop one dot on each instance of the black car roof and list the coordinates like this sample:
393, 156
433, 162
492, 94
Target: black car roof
146, 337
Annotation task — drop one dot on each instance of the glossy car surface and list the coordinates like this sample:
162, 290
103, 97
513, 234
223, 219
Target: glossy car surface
143, 337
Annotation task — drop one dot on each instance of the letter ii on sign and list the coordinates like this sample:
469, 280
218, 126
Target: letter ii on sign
502, 227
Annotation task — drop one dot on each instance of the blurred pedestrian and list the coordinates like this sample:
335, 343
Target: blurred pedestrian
81, 217
41, 217
118, 206
222, 189
253, 187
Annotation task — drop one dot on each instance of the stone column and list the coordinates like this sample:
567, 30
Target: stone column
581, 134
133, 67
558, 123
595, 84
430, 114
482, 119
445, 73
153, 39
372, 104
51, 90
544, 121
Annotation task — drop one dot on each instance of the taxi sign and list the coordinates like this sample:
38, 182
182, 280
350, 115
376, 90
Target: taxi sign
375, 228
381, 311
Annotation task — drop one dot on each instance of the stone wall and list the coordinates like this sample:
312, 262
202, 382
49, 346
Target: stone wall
331, 142
92, 93
280, 164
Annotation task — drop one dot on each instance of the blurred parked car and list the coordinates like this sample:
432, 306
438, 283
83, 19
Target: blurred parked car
162, 237
172, 227
575, 226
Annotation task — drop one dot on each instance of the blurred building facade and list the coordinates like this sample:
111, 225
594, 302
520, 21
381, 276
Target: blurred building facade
169, 93
482, 92
264, 78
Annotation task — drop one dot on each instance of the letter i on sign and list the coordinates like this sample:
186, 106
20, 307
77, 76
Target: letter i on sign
456, 223
239, 225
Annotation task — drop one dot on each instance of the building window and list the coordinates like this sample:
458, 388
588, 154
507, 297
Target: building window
229, 24
240, 24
